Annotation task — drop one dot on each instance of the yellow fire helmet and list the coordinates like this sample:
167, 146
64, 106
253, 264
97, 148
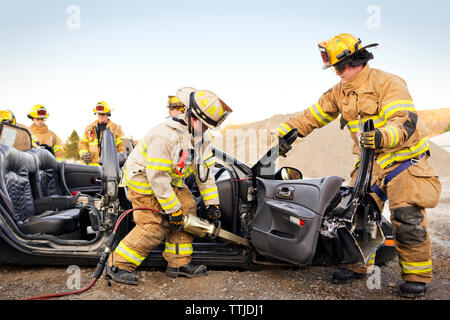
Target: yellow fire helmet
204, 105
174, 102
340, 48
38, 112
7, 116
101, 108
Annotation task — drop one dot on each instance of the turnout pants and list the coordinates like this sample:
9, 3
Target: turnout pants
150, 230
409, 193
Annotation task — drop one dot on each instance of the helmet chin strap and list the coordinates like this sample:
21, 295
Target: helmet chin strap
189, 117
197, 134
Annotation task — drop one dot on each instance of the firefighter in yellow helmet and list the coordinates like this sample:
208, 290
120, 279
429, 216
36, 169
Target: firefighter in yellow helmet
399, 140
155, 174
89, 145
175, 106
45, 136
21, 142
7, 116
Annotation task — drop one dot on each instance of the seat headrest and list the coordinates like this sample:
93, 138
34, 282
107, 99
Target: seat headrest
30, 161
46, 159
13, 161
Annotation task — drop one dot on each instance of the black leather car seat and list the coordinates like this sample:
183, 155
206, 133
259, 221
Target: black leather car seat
18, 174
49, 176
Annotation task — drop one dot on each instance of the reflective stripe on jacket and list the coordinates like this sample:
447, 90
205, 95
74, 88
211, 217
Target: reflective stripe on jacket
372, 94
153, 165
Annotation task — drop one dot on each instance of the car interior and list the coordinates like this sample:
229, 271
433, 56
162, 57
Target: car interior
43, 196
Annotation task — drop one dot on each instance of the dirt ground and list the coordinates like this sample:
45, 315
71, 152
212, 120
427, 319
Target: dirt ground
308, 283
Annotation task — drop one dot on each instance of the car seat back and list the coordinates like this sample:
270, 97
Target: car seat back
15, 183
48, 173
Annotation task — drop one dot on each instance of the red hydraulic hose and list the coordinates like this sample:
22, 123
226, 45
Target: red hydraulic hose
101, 264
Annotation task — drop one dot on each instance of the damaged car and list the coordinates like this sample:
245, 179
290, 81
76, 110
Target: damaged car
60, 213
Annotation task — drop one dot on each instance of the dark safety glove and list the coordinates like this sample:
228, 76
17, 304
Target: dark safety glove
213, 212
284, 147
175, 219
372, 139
87, 157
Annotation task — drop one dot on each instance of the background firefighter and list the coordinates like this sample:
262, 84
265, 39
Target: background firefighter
175, 106
401, 172
22, 141
155, 174
45, 136
89, 146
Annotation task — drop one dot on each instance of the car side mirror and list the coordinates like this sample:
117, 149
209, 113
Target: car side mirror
288, 173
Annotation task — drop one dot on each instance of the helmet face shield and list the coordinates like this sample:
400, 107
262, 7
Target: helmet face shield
339, 67
201, 115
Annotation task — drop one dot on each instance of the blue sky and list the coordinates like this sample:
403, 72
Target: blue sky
260, 57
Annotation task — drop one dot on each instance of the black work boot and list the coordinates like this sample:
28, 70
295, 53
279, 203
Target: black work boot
189, 270
121, 275
411, 289
346, 276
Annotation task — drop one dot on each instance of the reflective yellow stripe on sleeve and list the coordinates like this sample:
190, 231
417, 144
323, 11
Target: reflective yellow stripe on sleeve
83, 151
209, 194
320, 115
143, 148
393, 136
209, 160
169, 203
283, 129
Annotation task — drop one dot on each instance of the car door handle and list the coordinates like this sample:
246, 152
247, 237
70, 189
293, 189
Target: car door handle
286, 193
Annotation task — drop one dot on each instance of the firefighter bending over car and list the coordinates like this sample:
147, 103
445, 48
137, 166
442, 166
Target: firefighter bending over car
45, 136
401, 170
155, 174
89, 145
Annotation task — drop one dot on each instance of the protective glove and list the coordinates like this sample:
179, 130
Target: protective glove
284, 147
175, 219
372, 139
87, 157
213, 212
